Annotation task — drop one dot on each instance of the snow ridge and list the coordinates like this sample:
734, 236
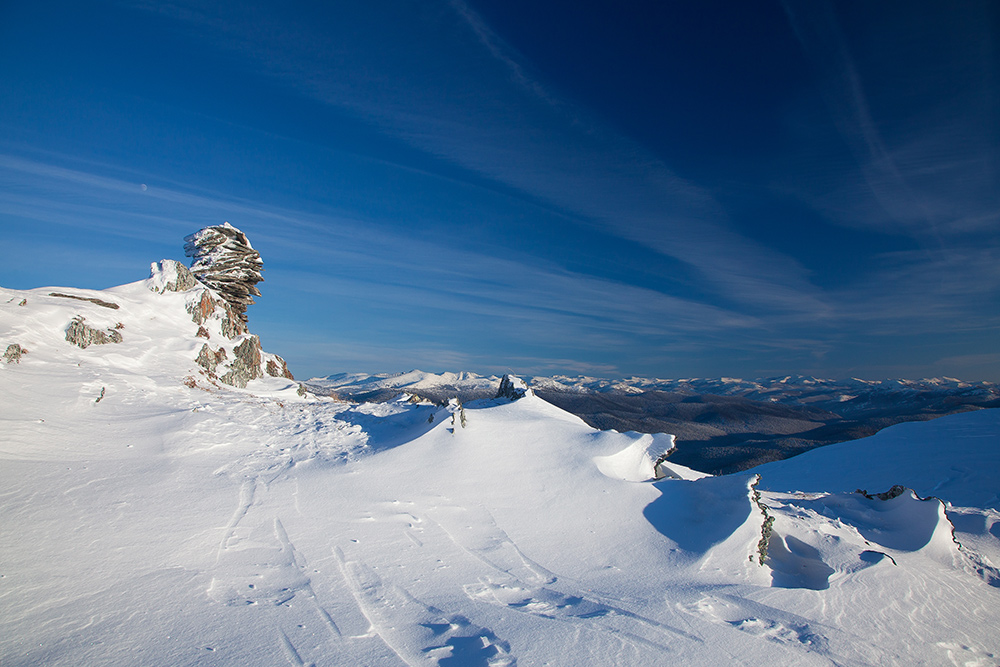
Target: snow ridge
154, 514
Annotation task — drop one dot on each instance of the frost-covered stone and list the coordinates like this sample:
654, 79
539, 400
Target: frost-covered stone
206, 307
223, 259
513, 387
209, 359
170, 276
894, 492
83, 335
246, 364
13, 353
276, 367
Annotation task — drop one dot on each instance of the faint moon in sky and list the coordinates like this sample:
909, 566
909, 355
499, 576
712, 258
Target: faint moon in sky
143, 186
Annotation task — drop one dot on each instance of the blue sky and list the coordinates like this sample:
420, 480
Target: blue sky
661, 189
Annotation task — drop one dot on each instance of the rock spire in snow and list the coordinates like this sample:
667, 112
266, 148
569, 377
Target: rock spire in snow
223, 259
513, 387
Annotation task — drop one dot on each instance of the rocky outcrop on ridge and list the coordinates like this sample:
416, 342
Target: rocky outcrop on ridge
95, 301
205, 306
210, 359
276, 367
224, 260
246, 364
83, 335
234, 363
513, 387
13, 353
171, 276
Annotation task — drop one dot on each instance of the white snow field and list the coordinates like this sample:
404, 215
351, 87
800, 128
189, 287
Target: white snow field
151, 515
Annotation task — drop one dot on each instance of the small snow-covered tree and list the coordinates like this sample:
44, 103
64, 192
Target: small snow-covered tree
222, 258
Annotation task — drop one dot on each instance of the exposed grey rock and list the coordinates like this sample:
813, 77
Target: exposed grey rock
83, 335
766, 526
99, 302
513, 387
175, 276
24, 302
246, 365
202, 309
207, 306
210, 359
278, 368
660, 471
896, 491
224, 260
13, 353
233, 324
457, 414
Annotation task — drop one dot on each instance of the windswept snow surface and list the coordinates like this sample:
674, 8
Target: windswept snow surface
148, 519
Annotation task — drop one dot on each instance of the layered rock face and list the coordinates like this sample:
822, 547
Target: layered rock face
224, 260
237, 358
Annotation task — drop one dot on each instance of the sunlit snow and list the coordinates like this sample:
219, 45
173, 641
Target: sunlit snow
153, 516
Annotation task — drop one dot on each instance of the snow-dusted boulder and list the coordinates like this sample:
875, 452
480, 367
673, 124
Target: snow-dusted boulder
13, 353
83, 335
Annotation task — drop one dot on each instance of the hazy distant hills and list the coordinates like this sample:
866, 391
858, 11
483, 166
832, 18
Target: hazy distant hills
722, 425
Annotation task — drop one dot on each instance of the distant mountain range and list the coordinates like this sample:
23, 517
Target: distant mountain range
722, 425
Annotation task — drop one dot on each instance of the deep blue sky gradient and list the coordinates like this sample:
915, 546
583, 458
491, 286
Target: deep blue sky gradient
653, 188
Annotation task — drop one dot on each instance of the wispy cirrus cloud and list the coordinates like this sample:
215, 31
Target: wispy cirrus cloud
925, 145
468, 99
331, 258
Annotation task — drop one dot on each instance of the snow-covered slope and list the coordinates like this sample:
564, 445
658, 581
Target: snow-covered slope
179, 520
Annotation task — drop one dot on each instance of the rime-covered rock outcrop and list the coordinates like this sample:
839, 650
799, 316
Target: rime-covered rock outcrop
239, 359
224, 260
171, 276
513, 387
83, 335
13, 353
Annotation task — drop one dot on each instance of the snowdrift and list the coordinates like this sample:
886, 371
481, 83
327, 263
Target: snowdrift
156, 514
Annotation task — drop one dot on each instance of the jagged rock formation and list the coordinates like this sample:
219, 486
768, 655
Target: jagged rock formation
896, 491
224, 260
13, 353
513, 387
209, 309
209, 359
204, 307
171, 276
246, 365
277, 367
83, 335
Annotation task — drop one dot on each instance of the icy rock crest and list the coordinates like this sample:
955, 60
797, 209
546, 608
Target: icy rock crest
170, 276
513, 387
224, 260
205, 306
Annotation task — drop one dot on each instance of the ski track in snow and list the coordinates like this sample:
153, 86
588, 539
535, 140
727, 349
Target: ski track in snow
420, 634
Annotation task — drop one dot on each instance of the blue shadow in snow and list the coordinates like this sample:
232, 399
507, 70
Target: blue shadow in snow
699, 514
